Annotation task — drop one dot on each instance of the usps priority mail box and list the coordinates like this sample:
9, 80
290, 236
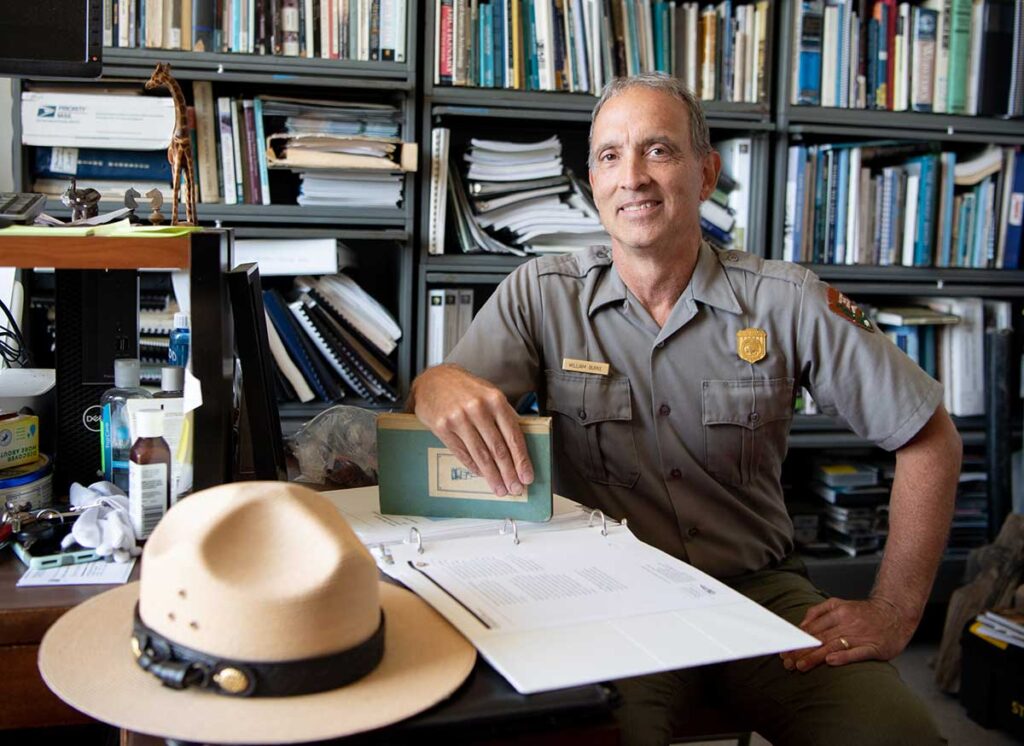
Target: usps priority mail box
81, 120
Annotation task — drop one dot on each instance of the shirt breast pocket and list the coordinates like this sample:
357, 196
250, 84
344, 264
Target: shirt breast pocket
593, 425
746, 423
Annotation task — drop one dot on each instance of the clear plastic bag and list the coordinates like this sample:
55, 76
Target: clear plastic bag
339, 447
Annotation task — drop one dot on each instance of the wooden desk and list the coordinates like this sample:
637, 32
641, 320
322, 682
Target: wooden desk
25, 615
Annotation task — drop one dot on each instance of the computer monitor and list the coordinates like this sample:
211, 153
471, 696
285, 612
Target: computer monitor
261, 447
52, 38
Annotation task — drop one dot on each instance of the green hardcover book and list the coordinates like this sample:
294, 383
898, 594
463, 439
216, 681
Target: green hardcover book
959, 20
420, 476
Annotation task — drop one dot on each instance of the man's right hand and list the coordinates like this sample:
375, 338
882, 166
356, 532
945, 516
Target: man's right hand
474, 420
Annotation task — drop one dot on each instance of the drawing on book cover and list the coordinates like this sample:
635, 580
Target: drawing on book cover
447, 477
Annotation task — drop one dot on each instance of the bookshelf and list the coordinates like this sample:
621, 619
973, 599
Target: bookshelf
381, 238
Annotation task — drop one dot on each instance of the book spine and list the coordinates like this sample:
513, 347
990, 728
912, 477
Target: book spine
261, 151
206, 152
100, 163
227, 150
255, 192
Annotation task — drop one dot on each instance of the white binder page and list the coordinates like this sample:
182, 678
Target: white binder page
551, 612
582, 577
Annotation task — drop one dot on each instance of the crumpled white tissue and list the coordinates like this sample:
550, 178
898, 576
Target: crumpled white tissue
105, 523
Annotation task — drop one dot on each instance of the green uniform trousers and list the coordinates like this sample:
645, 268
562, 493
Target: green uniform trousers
860, 704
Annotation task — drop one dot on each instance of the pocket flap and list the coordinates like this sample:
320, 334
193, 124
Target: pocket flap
588, 398
747, 403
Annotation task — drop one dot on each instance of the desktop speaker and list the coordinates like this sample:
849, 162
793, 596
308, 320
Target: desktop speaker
97, 321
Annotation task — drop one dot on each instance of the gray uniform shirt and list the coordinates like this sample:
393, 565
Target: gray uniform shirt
683, 436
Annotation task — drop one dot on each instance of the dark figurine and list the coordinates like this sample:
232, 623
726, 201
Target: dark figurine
84, 203
180, 151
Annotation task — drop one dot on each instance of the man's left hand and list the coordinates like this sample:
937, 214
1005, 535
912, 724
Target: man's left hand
851, 631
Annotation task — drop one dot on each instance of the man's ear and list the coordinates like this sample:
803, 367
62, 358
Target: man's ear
710, 168
590, 177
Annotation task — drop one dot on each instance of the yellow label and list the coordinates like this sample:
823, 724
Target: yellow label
751, 344
449, 478
585, 366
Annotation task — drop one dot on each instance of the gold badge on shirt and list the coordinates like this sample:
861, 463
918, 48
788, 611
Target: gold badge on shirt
751, 344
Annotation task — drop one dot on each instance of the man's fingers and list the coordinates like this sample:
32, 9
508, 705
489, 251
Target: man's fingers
819, 610
501, 454
461, 433
512, 434
454, 444
853, 655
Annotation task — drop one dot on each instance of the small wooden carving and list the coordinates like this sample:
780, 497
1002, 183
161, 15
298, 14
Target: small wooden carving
156, 201
180, 151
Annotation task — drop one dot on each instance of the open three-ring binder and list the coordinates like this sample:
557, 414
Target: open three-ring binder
572, 601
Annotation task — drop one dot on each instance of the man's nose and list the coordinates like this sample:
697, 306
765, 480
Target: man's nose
634, 172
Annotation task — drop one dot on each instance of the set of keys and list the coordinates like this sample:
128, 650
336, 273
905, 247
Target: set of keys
29, 527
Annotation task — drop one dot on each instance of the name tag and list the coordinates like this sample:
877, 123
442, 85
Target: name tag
584, 366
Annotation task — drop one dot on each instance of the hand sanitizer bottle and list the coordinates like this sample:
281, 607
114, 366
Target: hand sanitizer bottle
181, 340
115, 433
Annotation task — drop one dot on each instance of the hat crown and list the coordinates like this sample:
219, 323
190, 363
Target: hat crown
259, 571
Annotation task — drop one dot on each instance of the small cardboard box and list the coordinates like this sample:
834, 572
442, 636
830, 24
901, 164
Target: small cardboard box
19, 439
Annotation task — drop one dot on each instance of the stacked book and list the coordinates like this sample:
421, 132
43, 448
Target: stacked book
515, 198
970, 513
942, 56
718, 51
916, 331
854, 518
346, 154
1001, 627
331, 339
891, 203
326, 29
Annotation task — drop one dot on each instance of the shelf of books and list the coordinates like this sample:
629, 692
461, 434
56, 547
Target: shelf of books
942, 66
287, 41
504, 48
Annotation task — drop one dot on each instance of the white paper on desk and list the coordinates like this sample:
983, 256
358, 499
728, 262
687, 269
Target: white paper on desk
629, 623
87, 573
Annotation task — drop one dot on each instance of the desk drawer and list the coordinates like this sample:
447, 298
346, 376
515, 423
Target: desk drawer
27, 702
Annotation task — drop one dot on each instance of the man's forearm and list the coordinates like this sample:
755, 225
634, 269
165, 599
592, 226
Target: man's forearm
920, 512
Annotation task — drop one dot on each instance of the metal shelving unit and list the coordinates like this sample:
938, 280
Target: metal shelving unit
372, 230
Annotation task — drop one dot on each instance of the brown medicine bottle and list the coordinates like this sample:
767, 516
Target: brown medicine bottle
149, 473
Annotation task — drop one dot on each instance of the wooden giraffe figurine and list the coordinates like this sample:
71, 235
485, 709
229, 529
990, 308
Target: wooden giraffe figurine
180, 151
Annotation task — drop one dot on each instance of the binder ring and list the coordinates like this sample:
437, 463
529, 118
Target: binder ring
604, 521
414, 535
385, 554
515, 529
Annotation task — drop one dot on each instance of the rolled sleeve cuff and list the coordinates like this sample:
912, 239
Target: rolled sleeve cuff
913, 424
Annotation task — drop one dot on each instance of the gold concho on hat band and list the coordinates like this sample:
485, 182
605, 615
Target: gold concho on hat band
751, 344
231, 680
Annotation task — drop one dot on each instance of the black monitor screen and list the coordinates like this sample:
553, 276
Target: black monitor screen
51, 38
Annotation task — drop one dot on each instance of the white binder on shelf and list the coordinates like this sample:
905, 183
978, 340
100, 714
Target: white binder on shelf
573, 601
438, 189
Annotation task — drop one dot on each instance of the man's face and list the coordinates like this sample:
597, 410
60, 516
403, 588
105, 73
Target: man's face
647, 181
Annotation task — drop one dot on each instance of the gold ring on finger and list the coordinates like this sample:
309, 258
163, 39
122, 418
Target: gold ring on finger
843, 641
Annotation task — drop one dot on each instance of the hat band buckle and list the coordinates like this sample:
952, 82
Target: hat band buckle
180, 667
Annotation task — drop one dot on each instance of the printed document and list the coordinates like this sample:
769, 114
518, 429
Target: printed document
572, 603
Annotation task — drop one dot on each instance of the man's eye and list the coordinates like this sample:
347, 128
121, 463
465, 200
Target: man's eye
658, 151
607, 157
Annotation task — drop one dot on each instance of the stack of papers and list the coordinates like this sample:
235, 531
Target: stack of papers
347, 154
520, 198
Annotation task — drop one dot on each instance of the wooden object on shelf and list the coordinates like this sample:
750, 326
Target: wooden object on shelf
997, 569
180, 151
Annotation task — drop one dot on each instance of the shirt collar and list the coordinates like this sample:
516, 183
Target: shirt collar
709, 283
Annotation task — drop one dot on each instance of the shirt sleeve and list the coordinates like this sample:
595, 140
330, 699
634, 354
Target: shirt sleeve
855, 371
503, 343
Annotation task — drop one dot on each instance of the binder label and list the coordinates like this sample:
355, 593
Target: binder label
449, 478
585, 366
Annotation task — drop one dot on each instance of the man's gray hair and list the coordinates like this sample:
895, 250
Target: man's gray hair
700, 136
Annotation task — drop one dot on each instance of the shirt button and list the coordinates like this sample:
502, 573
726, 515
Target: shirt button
754, 417
665, 410
692, 531
660, 345
733, 256
675, 474
582, 414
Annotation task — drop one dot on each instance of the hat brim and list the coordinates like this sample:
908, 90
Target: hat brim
86, 659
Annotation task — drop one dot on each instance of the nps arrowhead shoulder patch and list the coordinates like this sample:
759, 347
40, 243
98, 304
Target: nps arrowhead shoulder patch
842, 306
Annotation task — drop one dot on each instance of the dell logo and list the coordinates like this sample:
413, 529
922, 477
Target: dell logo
92, 417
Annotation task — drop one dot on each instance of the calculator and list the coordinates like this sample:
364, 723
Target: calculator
20, 207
